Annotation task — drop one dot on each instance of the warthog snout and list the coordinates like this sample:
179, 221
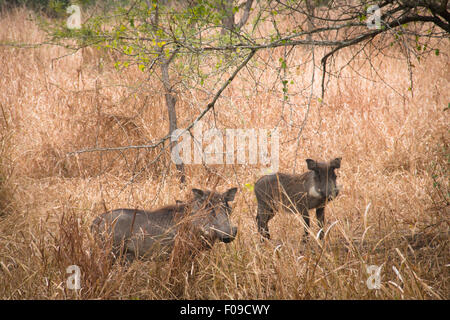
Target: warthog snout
335, 192
330, 192
227, 238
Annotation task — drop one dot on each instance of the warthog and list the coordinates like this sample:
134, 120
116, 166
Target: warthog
197, 223
297, 193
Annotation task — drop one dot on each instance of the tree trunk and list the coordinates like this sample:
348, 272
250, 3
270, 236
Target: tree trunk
228, 18
171, 101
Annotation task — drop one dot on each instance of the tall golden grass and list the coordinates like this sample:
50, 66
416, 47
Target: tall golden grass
392, 212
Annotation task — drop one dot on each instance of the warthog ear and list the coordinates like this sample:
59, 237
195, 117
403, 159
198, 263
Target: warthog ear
198, 194
312, 165
336, 163
230, 194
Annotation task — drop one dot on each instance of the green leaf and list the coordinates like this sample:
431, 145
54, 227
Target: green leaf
249, 186
436, 52
127, 50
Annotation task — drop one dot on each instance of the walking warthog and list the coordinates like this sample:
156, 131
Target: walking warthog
196, 224
297, 193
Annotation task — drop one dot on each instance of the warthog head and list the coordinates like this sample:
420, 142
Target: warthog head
324, 179
212, 214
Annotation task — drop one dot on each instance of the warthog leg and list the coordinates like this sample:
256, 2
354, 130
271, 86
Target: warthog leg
320, 214
262, 219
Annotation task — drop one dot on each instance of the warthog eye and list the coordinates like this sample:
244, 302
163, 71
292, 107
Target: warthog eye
208, 208
224, 206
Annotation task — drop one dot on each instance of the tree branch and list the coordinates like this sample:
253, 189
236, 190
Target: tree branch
199, 117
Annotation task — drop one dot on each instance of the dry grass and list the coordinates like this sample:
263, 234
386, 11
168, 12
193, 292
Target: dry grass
393, 210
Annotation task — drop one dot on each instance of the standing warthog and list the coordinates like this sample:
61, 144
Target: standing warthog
297, 193
196, 223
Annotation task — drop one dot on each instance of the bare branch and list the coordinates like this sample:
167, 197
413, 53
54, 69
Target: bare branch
245, 15
199, 117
